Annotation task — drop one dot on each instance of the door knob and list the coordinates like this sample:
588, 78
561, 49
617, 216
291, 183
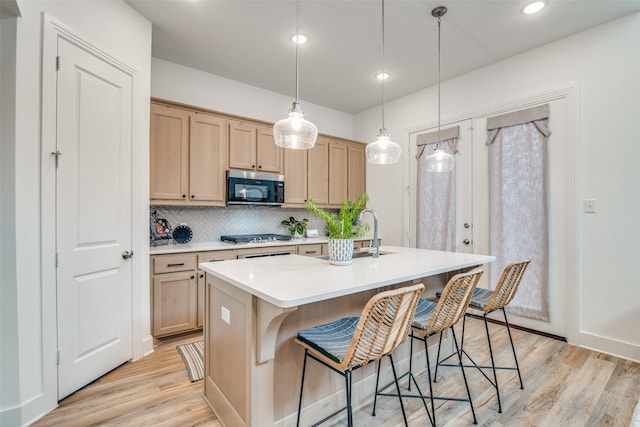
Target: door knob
467, 225
466, 241
127, 255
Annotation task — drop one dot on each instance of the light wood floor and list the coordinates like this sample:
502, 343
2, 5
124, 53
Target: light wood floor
564, 386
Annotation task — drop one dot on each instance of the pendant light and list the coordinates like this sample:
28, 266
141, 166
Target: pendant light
383, 151
439, 160
295, 131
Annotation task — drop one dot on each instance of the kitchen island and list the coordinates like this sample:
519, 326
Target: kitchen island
255, 306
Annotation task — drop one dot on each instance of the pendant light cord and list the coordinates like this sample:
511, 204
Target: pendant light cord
439, 81
297, 44
383, 74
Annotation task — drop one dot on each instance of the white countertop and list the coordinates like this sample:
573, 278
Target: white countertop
173, 248
292, 280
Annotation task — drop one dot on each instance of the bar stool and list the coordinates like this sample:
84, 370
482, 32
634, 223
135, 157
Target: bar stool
488, 301
433, 318
352, 342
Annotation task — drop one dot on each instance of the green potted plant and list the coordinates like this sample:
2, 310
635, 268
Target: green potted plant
341, 227
295, 227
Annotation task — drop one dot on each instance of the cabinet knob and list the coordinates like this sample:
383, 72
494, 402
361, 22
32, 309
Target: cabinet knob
466, 241
193, 277
184, 196
202, 276
259, 166
253, 166
193, 196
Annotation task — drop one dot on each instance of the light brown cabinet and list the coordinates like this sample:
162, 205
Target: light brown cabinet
318, 171
177, 290
338, 167
174, 294
251, 147
356, 170
295, 177
310, 250
187, 157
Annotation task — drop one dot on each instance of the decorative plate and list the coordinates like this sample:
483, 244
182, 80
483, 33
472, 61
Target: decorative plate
182, 234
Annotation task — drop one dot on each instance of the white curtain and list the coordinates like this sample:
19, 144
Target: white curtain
518, 204
436, 198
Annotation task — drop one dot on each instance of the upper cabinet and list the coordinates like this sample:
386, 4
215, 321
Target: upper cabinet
328, 173
251, 147
338, 166
318, 171
187, 157
191, 150
356, 170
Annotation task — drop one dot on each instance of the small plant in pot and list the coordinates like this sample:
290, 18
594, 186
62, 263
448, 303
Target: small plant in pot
295, 227
341, 227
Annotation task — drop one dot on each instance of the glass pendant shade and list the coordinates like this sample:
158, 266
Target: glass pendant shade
383, 151
295, 131
439, 161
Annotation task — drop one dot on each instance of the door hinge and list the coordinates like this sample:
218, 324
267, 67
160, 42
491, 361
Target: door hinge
57, 155
57, 260
57, 63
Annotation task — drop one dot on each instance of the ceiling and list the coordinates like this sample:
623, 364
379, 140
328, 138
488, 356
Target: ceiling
248, 41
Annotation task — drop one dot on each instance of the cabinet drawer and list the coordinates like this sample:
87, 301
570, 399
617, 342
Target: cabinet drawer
213, 256
172, 263
310, 250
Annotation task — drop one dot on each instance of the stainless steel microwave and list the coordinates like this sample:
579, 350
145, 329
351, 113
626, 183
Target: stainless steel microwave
254, 188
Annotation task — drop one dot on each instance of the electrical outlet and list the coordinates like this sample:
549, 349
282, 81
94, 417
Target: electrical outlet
226, 314
590, 205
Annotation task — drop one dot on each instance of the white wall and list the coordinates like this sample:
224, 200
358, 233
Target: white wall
30, 389
605, 64
178, 83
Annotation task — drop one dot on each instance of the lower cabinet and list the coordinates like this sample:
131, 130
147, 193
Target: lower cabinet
310, 250
174, 302
177, 291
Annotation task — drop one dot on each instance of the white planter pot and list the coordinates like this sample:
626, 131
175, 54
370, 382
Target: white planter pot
340, 251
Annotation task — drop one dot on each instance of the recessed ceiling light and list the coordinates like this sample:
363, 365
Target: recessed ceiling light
382, 76
534, 7
299, 38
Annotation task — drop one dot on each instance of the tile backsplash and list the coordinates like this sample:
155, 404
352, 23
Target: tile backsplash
209, 223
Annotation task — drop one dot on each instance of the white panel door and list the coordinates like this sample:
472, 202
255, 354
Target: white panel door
93, 214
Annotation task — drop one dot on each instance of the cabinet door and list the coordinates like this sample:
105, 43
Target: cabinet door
337, 173
318, 172
356, 170
242, 145
207, 164
295, 177
169, 153
174, 302
268, 154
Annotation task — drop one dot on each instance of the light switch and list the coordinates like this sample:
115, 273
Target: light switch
590, 205
226, 314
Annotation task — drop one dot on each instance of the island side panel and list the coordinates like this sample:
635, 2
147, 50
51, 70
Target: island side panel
229, 328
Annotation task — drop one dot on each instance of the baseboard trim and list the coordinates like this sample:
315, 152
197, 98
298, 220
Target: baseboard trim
610, 346
521, 328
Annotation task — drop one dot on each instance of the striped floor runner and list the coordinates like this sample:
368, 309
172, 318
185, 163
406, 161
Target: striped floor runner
192, 355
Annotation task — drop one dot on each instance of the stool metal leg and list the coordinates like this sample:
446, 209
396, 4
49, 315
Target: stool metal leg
433, 406
455, 341
435, 374
493, 365
513, 348
375, 396
347, 379
395, 378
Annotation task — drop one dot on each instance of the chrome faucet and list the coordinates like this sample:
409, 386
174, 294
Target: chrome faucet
376, 244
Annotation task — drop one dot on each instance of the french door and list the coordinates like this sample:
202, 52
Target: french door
472, 206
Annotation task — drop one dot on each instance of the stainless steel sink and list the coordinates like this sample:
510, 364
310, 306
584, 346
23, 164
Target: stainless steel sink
359, 254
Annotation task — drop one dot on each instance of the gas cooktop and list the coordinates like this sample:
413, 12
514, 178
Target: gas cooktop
254, 238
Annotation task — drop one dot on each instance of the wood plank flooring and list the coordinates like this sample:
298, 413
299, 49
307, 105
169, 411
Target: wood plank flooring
563, 386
